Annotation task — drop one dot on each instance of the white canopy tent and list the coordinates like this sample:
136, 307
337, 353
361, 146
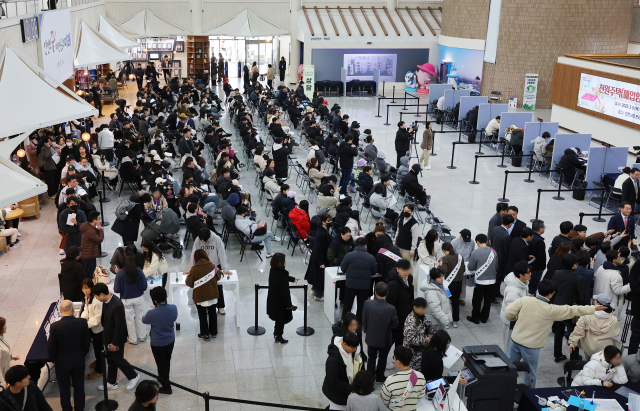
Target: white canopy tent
29, 101
23, 185
9, 144
247, 24
148, 24
111, 31
92, 48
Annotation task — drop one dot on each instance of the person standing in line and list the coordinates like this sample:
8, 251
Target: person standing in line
501, 243
402, 390
496, 219
358, 267
114, 336
155, 265
516, 285
400, 296
282, 67
5, 352
378, 319
161, 319
408, 233
534, 318
131, 284
21, 393
452, 265
270, 77
203, 278
211, 242
426, 145
402, 142
146, 396
69, 342
483, 265
318, 260
92, 312
464, 246
71, 275
519, 249
92, 237
48, 166
417, 329
96, 92
537, 249
279, 306
343, 362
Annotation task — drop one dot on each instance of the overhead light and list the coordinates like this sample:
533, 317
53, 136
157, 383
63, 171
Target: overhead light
21, 153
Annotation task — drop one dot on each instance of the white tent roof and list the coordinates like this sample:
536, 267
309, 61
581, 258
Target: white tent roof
247, 24
23, 185
92, 48
9, 144
148, 24
111, 31
20, 111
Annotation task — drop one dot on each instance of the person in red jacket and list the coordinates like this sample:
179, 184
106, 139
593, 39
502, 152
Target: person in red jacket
299, 216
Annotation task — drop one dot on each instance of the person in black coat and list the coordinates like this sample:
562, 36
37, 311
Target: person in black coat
279, 306
617, 223
69, 342
348, 324
403, 141
519, 249
518, 225
386, 264
318, 259
130, 171
501, 243
365, 181
114, 336
128, 228
568, 164
537, 249
401, 296
347, 152
432, 366
343, 211
12, 397
413, 187
73, 233
378, 320
337, 384
281, 150
563, 237
631, 189
71, 275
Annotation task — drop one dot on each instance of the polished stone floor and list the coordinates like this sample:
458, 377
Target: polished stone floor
236, 364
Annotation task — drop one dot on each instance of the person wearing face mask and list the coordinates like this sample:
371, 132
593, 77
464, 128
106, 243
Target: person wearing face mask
407, 233
71, 226
318, 260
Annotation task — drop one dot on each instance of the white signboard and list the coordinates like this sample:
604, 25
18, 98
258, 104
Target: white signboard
361, 66
530, 91
611, 97
513, 103
55, 44
308, 76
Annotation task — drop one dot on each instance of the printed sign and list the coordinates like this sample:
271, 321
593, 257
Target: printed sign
55, 44
530, 91
513, 103
360, 66
308, 76
611, 97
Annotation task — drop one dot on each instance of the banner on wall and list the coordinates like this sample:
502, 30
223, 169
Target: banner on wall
308, 76
55, 44
530, 91
610, 97
362, 66
462, 68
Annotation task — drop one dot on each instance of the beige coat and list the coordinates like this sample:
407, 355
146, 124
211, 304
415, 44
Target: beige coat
316, 177
5, 359
594, 332
270, 74
329, 202
427, 140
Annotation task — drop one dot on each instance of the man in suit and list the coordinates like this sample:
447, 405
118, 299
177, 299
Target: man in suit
537, 249
69, 342
631, 190
378, 318
114, 336
496, 220
623, 222
563, 237
518, 225
501, 244
519, 249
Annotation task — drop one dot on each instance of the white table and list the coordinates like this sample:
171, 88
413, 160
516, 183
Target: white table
454, 404
331, 277
177, 280
423, 274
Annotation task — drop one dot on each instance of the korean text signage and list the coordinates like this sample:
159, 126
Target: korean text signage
308, 76
611, 97
29, 28
530, 91
55, 43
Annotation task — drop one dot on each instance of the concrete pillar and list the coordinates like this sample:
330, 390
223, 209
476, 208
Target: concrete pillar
391, 5
294, 60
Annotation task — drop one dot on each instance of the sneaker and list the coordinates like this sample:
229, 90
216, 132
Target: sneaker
455, 324
19, 235
15, 246
143, 339
132, 342
61, 251
312, 293
427, 168
318, 298
221, 311
269, 255
133, 383
213, 335
447, 326
276, 239
351, 189
110, 387
166, 391
93, 374
204, 337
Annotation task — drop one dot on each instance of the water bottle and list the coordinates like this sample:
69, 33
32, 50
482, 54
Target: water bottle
581, 408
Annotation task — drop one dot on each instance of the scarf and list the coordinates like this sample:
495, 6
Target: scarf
349, 359
438, 284
608, 265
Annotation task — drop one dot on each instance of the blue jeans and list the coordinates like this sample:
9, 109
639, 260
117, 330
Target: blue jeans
212, 198
266, 239
210, 208
345, 180
529, 356
317, 291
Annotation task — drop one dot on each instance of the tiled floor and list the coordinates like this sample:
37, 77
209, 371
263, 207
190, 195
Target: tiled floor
236, 364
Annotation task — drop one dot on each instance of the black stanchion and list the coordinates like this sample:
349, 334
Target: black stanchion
504, 198
206, 400
104, 191
599, 217
418, 109
433, 143
405, 102
393, 95
383, 83
537, 205
102, 222
305, 331
106, 404
453, 152
559, 197
528, 179
256, 329
387, 121
379, 108
479, 152
501, 165
475, 168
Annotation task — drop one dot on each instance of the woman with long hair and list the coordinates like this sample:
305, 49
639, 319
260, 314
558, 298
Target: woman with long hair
555, 261
131, 284
354, 224
432, 367
155, 265
429, 249
319, 260
92, 312
452, 264
279, 306
205, 294
314, 172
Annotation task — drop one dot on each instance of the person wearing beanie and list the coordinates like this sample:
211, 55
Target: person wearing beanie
323, 109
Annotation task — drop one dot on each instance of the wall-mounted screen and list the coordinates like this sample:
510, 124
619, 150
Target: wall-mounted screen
611, 97
361, 66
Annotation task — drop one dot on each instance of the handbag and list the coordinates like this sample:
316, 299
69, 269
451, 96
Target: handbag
101, 275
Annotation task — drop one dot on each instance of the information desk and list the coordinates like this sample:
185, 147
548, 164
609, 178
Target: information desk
177, 280
326, 86
38, 355
529, 401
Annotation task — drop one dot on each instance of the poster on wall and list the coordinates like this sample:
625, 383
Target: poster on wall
530, 91
308, 76
611, 97
55, 44
360, 66
461, 68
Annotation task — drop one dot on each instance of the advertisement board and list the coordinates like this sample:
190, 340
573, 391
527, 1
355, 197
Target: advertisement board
461, 68
55, 44
360, 66
611, 97
308, 76
530, 91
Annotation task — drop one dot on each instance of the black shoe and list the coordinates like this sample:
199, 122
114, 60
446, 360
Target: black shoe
484, 321
166, 391
281, 340
470, 319
496, 302
204, 337
560, 359
381, 380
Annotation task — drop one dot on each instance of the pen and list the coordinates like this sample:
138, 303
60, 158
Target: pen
593, 393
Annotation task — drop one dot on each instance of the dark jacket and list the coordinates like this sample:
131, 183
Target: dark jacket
336, 385
411, 184
386, 264
114, 323
91, 240
403, 140
432, 366
343, 213
35, 400
359, 266
186, 146
72, 273
347, 154
315, 274
280, 159
537, 249
74, 235
400, 295
587, 277
634, 281
518, 251
365, 182
517, 228
501, 242
554, 264
128, 228
378, 318
617, 222
629, 192
517, 136
338, 249
559, 239
128, 171
69, 342
209, 290
572, 289
568, 164
495, 221
279, 296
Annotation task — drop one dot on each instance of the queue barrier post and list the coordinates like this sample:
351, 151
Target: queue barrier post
393, 95
256, 329
103, 222
387, 122
501, 165
528, 179
383, 83
537, 205
379, 108
479, 152
504, 198
599, 217
453, 152
475, 168
104, 196
305, 330
433, 142
106, 404
559, 197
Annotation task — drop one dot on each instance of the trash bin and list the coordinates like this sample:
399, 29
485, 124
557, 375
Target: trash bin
579, 190
516, 161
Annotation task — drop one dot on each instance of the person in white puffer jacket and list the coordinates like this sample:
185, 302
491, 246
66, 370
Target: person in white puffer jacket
438, 305
604, 369
516, 285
